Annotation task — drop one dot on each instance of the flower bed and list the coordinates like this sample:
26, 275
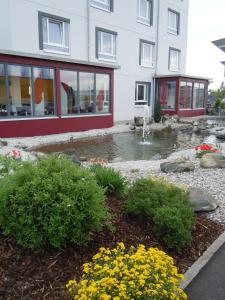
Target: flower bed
203, 149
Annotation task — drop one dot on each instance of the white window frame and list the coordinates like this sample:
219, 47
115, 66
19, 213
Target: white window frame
170, 29
145, 101
44, 34
105, 5
174, 67
100, 54
147, 19
144, 63
62, 31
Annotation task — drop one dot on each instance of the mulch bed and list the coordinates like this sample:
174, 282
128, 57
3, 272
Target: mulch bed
26, 275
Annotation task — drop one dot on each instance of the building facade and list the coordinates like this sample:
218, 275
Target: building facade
76, 65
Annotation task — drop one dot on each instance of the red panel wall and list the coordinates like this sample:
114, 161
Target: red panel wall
42, 126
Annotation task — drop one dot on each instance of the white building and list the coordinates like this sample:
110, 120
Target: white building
140, 39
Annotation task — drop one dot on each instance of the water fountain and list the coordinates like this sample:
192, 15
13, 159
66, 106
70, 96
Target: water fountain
145, 131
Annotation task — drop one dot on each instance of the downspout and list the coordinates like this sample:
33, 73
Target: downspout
88, 30
157, 54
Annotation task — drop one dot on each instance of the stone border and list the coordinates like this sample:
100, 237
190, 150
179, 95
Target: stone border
193, 271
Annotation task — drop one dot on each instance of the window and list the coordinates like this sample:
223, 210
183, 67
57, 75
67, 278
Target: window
4, 109
44, 91
102, 93
173, 22
26, 91
167, 94
54, 33
199, 95
68, 92
105, 44
142, 94
83, 93
174, 59
146, 54
185, 95
145, 11
103, 4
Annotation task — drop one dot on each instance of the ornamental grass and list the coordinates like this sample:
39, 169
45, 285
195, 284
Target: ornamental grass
118, 274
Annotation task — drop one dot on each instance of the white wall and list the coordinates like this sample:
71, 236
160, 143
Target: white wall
19, 19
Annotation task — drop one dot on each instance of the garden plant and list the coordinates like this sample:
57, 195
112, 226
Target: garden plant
51, 202
135, 274
166, 207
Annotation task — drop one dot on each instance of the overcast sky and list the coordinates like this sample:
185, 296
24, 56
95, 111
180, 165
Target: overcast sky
206, 23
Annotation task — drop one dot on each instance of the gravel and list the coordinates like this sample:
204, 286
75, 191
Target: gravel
211, 180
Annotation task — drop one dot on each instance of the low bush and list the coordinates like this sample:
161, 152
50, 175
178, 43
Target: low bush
112, 181
51, 202
165, 206
8, 165
135, 274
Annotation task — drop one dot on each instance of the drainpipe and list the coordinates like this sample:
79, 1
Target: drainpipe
157, 54
88, 30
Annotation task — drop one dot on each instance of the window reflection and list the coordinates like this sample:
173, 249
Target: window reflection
44, 91
167, 94
86, 85
3, 94
185, 95
102, 93
68, 91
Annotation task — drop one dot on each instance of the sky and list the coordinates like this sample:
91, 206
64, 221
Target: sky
206, 24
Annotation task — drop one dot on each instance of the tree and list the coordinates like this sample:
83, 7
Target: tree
219, 96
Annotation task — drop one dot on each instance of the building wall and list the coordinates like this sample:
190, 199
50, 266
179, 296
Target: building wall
20, 21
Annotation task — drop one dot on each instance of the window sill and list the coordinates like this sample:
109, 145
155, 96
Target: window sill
108, 60
27, 119
144, 23
100, 8
173, 33
175, 71
86, 115
56, 52
147, 67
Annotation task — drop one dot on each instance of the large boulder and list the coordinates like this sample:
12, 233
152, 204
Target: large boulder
177, 166
212, 161
221, 136
202, 201
139, 121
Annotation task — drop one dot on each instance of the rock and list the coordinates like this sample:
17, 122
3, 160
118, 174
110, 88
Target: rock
220, 136
212, 160
3, 143
177, 166
139, 121
71, 153
203, 201
82, 158
195, 123
132, 127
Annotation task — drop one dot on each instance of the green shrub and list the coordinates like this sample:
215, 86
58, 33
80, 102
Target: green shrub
173, 225
8, 165
157, 111
112, 181
164, 205
51, 202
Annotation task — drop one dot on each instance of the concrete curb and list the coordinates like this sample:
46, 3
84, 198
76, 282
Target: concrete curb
193, 271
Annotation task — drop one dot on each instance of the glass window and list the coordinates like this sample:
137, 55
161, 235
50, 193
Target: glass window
102, 4
173, 22
106, 45
167, 95
144, 11
174, 60
147, 54
68, 92
199, 95
3, 93
142, 94
185, 95
102, 93
54, 33
86, 89
20, 91
44, 93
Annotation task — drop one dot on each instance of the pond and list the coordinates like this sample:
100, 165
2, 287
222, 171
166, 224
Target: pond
129, 146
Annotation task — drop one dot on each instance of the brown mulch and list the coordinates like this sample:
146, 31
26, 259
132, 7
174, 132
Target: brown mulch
26, 275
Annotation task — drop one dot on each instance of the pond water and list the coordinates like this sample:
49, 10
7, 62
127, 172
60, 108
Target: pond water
129, 146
